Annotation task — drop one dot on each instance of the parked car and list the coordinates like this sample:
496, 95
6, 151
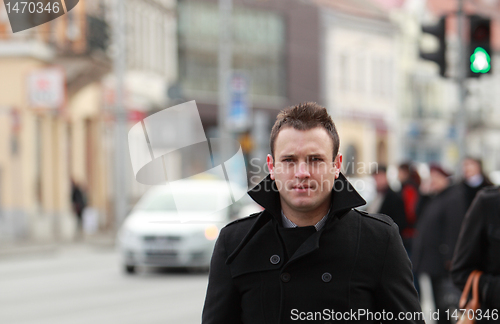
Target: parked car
167, 231
246, 207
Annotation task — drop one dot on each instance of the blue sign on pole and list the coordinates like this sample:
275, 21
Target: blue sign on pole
238, 118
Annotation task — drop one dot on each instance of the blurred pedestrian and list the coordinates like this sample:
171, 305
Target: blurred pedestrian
474, 179
78, 202
410, 183
387, 201
434, 240
410, 194
459, 200
478, 248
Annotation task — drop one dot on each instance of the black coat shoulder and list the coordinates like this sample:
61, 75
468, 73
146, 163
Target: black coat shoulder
379, 217
241, 226
375, 230
249, 218
489, 193
238, 229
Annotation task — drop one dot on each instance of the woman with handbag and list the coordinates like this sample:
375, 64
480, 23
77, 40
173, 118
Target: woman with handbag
478, 250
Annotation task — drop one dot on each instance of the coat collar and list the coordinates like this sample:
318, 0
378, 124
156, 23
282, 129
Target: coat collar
343, 198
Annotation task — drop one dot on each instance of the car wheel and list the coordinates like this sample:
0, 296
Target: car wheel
129, 269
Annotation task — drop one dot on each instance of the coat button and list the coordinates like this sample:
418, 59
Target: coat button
275, 259
326, 277
285, 277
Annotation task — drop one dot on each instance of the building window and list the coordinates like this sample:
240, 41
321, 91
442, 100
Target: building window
344, 77
376, 77
386, 76
258, 47
360, 66
390, 78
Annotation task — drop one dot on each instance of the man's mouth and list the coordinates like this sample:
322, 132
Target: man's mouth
301, 187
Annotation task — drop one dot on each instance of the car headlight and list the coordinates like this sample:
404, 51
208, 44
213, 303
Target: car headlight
211, 232
129, 238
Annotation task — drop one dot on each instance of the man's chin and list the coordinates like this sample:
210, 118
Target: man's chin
303, 206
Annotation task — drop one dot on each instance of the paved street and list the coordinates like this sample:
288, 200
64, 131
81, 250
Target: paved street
83, 284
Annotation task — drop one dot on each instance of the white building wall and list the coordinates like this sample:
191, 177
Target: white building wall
360, 73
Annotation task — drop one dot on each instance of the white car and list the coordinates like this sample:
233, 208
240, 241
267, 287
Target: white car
163, 231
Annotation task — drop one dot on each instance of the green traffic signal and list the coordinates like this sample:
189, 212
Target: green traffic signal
480, 61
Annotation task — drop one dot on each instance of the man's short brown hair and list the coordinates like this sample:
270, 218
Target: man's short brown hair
305, 116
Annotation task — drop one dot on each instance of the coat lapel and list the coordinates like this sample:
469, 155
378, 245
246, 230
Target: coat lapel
262, 240
254, 253
343, 197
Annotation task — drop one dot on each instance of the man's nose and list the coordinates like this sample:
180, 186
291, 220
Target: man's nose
302, 170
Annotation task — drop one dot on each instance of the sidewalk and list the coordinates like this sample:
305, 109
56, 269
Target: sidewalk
27, 247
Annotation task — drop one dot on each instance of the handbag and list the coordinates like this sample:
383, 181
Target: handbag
472, 305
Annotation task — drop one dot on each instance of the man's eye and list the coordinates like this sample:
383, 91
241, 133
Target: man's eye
315, 159
287, 160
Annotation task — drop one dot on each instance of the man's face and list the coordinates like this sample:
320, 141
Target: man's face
304, 169
439, 181
381, 181
403, 175
470, 168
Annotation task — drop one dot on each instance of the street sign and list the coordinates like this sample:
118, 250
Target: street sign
238, 116
46, 88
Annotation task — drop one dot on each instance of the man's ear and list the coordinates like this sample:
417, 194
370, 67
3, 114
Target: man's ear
270, 165
338, 165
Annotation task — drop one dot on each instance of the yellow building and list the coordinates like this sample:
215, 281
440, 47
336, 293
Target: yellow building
42, 148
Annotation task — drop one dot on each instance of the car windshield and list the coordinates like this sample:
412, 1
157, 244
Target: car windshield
195, 201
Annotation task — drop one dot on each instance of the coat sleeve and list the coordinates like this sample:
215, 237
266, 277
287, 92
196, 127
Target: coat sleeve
222, 302
396, 293
471, 248
453, 214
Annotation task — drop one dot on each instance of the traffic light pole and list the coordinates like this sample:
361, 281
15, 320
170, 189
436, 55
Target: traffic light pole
225, 64
461, 121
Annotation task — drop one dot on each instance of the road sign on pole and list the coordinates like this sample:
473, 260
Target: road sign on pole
238, 117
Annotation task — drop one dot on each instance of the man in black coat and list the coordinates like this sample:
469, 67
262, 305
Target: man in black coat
435, 239
309, 256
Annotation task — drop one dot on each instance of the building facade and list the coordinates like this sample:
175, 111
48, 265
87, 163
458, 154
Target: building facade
44, 146
359, 82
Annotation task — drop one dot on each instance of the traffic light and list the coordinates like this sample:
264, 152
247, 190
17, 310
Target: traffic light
479, 54
439, 56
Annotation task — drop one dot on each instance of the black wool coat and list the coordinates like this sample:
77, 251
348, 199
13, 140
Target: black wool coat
393, 206
355, 263
438, 228
437, 232
478, 248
